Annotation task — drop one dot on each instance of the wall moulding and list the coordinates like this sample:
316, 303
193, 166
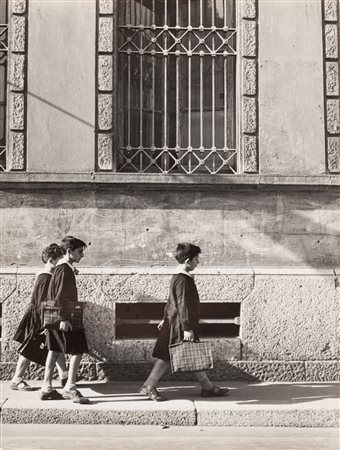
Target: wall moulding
17, 17
330, 14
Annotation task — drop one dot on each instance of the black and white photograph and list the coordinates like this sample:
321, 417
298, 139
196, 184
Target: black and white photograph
170, 224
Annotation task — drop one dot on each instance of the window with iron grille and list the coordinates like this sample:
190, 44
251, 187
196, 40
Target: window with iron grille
176, 86
3, 78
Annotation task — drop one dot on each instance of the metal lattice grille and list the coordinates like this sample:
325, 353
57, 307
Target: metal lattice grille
3, 78
176, 96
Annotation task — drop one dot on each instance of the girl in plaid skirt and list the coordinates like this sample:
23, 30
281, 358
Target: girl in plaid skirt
180, 323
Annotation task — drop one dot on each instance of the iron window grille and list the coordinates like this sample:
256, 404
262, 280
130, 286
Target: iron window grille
176, 86
3, 79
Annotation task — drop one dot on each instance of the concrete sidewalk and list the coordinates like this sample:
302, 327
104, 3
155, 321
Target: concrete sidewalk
255, 404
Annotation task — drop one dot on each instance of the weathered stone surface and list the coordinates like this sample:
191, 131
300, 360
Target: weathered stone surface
249, 121
249, 44
334, 154
17, 111
333, 116
105, 63
250, 154
331, 10
322, 371
7, 370
249, 9
121, 372
332, 78
18, 34
105, 152
105, 43
18, 6
134, 350
17, 72
16, 151
87, 371
105, 111
106, 6
277, 323
249, 77
331, 41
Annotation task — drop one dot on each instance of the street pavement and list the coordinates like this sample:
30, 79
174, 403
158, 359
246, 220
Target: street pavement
247, 405
120, 437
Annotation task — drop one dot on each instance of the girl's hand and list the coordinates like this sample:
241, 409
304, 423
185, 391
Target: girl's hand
65, 325
160, 325
188, 336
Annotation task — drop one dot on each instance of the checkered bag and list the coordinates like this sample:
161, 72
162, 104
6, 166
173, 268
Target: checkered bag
190, 356
51, 315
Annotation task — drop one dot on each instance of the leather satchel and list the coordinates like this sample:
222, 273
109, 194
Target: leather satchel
191, 356
51, 319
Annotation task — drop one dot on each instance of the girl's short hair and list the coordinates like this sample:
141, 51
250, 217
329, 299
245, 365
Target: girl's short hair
186, 250
70, 242
53, 251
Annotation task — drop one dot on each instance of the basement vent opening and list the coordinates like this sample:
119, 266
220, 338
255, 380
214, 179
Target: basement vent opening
140, 320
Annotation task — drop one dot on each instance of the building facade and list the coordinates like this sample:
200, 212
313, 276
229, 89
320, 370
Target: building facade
138, 124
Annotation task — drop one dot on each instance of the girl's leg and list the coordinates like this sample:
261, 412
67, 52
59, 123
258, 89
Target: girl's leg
204, 381
49, 370
157, 372
62, 368
20, 370
72, 372
149, 387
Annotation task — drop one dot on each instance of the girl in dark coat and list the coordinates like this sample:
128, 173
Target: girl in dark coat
180, 323
31, 323
62, 292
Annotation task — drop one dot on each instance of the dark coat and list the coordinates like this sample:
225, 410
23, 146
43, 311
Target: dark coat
63, 289
181, 313
31, 319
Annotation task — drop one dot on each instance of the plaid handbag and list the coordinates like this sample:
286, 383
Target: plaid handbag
51, 315
190, 356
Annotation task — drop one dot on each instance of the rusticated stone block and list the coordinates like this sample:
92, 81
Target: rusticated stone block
250, 154
104, 152
18, 6
249, 9
105, 111
249, 115
123, 372
106, 6
105, 34
87, 371
334, 154
331, 10
332, 78
18, 30
105, 63
17, 112
333, 116
322, 371
7, 370
16, 151
249, 77
331, 41
249, 46
17, 72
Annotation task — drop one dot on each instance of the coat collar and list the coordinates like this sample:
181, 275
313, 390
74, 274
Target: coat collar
63, 261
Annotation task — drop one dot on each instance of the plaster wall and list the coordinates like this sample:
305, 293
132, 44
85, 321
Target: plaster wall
239, 227
60, 89
291, 104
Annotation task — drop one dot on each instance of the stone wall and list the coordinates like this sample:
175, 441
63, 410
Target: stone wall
289, 322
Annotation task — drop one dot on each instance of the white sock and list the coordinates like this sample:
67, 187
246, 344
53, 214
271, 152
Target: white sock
17, 380
70, 387
63, 374
47, 388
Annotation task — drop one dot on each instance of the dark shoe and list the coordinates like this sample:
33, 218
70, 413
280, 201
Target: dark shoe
53, 395
152, 393
21, 386
214, 392
75, 396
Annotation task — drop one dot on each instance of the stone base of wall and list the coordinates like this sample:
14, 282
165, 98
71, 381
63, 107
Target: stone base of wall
279, 371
